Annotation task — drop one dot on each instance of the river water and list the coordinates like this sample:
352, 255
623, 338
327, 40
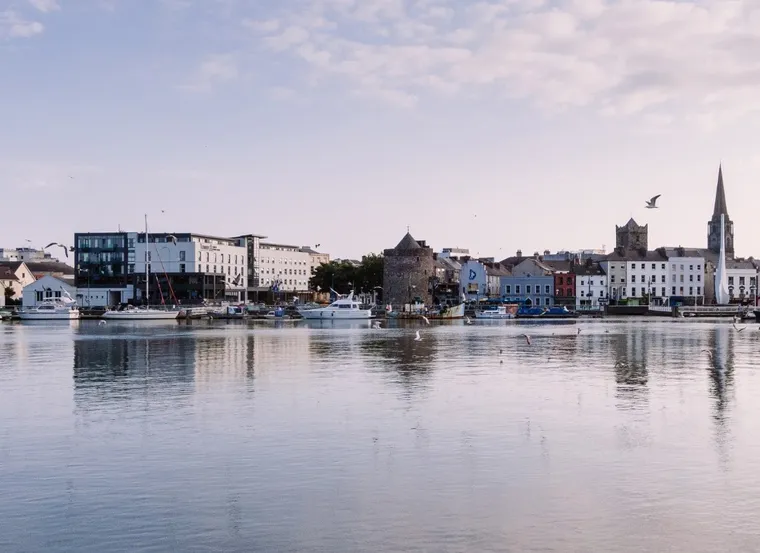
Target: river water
218, 436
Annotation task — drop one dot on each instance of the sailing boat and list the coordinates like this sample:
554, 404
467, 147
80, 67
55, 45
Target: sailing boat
132, 313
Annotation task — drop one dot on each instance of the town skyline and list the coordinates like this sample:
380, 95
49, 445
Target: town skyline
300, 121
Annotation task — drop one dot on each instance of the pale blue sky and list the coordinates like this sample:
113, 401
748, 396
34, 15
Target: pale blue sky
340, 122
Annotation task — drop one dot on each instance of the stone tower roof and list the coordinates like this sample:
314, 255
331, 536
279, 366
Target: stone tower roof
720, 197
631, 224
408, 243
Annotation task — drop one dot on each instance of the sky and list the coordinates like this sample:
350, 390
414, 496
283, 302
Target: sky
493, 125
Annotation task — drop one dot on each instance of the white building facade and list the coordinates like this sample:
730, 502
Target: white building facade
47, 288
686, 278
590, 286
284, 267
21, 277
742, 280
474, 280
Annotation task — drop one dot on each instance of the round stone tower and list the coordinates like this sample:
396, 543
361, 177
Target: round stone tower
407, 271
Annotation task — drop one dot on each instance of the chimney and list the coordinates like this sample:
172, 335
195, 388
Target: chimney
546, 252
535, 255
519, 253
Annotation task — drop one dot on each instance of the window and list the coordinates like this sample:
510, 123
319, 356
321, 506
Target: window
730, 281
699, 290
527, 288
681, 279
569, 281
673, 267
662, 278
181, 267
131, 268
207, 268
559, 291
663, 292
691, 267
741, 281
149, 257
654, 266
691, 278
546, 301
517, 289
663, 268
673, 291
214, 268
48, 293
583, 282
182, 255
57, 293
207, 257
200, 256
672, 278
691, 291
612, 279
633, 278
229, 258
699, 267
508, 289
547, 289
560, 280
38, 295
682, 266
131, 242
643, 291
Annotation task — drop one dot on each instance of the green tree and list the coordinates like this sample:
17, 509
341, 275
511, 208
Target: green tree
344, 276
9, 293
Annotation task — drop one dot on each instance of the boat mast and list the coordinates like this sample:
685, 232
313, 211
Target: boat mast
147, 275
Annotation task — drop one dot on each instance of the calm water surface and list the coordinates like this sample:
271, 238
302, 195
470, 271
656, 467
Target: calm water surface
234, 437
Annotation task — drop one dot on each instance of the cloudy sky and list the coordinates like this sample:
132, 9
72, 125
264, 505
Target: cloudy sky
491, 124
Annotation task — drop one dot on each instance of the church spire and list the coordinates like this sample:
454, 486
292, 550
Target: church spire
720, 197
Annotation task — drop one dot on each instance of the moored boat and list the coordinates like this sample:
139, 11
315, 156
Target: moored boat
344, 308
132, 313
497, 312
57, 309
555, 312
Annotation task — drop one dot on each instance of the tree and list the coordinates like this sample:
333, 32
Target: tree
9, 293
345, 276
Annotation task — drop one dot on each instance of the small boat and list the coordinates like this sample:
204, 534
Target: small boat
278, 313
546, 313
229, 312
57, 309
132, 313
497, 312
344, 308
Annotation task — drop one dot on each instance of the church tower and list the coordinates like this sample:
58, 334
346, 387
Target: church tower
632, 236
713, 227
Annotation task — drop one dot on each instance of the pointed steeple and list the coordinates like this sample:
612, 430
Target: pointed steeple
720, 196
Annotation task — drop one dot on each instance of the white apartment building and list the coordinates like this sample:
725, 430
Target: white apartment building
590, 286
686, 276
284, 267
192, 253
742, 279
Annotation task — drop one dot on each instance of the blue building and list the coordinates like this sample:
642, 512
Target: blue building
531, 284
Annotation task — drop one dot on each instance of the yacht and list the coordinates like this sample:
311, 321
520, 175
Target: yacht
132, 313
57, 309
344, 308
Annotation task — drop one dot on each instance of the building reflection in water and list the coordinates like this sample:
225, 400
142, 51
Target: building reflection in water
721, 374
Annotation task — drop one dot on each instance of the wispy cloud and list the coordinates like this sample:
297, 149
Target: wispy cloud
213, 70
12, 25
45, 6
620, 57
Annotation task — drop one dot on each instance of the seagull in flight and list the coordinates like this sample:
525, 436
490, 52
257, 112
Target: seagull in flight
738, 329
527, 338
101, 322
417, 337
467, 320
579, 331
171, 238
66, 249
376, 325
651, 203
424, 318
709, 353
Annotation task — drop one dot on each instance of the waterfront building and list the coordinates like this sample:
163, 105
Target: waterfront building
407, 272
591, 286
101, 268
15, 275
531, 283
252, 245
481, 279
315, 259
453, 253
564, 281
636, 276
742, 280
47, 288
284, 267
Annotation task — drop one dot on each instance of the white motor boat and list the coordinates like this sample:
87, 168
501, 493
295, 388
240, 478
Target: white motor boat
56, 309
496, 312
132, 313
344, 308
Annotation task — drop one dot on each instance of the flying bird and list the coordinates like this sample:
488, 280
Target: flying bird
173, 239
579, 331
65, 248
467, 320
417, 337
739, 329
651, 203
316, 246
527, 338
424, 318
377, 325
101, 322
709, 353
